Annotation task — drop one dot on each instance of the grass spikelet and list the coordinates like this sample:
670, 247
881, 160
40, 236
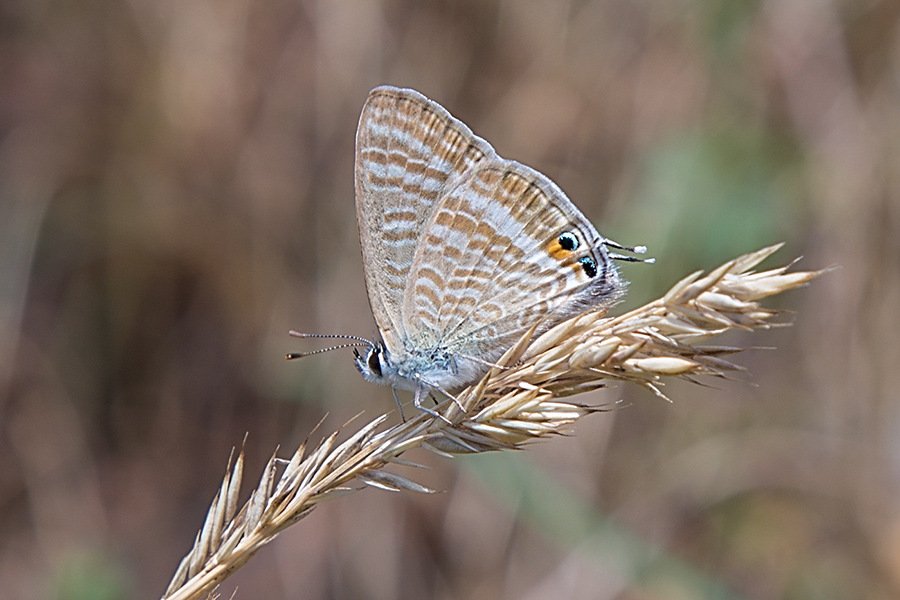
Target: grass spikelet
523, 398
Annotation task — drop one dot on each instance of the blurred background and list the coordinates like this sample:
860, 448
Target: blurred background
176, 193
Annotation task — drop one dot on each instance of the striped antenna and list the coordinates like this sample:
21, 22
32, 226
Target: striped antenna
357, 341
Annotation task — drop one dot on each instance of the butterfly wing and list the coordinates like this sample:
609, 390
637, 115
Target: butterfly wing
409, 151
504, 249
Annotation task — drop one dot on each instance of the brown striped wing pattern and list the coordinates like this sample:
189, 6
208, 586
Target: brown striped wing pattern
463, 250
489, 265
408, 149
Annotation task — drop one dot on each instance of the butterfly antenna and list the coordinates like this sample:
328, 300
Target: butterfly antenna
624, 257
357, 341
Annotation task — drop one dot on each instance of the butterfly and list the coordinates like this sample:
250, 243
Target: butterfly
463, 251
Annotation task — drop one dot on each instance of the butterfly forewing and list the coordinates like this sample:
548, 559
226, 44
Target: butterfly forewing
409, 150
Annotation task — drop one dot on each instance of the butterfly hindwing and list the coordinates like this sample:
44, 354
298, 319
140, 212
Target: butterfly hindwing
490, 263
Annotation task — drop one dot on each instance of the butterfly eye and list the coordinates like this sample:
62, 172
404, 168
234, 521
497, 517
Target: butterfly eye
568, 241
374, 362
589, 266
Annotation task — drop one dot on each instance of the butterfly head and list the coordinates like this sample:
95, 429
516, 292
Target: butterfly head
372, 363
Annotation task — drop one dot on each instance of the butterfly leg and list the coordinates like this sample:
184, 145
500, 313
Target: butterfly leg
452, 397
417, 400
400, 406
433, 387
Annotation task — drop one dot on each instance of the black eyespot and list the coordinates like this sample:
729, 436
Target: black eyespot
568, 241
373, 360
589, 266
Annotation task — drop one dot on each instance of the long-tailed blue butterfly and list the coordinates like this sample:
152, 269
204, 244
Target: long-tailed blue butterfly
463, 251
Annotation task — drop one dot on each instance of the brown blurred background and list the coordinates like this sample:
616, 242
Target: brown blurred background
176, 192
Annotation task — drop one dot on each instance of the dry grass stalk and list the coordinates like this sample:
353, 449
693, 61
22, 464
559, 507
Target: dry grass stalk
518, 401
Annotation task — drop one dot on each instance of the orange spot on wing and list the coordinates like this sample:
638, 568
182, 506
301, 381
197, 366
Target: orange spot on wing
555, 249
